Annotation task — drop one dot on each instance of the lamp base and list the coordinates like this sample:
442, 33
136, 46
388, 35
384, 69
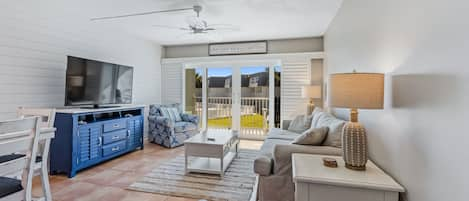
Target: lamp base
354, 146
359, 168
310, 107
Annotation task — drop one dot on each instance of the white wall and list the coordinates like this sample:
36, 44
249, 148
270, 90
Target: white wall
422, 45
34, 45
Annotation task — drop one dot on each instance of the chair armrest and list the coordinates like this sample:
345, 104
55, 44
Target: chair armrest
160, 121
282, 154
190, 118
263, 166
285, 124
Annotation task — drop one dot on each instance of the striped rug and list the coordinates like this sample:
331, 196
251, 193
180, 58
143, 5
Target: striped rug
169, 179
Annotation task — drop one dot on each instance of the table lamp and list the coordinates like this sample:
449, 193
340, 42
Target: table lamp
356, 91
311, 92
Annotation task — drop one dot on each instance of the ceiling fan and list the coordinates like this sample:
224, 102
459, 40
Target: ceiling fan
196, 25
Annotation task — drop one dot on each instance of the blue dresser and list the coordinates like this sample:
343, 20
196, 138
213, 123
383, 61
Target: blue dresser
86, 137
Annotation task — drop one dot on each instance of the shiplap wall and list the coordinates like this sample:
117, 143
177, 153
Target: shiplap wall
33, 56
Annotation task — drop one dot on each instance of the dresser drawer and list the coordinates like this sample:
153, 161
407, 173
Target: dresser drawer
114, 148
114, 136
115, 125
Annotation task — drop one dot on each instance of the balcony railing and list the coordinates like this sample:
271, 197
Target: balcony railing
254, 114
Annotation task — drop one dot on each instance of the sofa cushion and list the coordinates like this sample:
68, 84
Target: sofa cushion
334, 135
9, 186
312, 136
300, 123
276, 133
182, 126
10, 157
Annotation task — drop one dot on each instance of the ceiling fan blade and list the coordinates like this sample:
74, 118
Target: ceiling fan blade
172, 27
224, 28
221, 25
140, 14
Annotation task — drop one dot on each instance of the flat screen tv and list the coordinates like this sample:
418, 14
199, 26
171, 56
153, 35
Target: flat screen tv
96, 83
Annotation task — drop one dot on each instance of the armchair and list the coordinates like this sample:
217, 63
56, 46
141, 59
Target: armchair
165, 130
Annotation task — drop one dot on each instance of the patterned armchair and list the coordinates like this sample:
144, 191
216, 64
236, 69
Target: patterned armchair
169, 127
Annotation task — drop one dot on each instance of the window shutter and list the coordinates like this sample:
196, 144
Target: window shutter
293, 77
172, 83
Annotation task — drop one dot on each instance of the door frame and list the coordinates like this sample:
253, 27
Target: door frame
236, 66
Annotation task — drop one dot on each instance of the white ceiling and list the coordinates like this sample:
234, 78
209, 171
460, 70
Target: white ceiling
256, 19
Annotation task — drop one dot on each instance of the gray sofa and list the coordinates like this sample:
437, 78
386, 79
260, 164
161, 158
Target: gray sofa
273, 166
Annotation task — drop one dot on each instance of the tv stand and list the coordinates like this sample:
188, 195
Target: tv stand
86, 137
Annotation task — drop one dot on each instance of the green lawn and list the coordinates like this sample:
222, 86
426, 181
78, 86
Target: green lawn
247, 121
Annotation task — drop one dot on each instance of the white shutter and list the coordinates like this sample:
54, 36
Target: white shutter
171, 83
293, 77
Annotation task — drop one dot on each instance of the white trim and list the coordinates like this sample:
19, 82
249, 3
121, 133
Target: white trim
236, 98
272, 96
204, 99
309, 55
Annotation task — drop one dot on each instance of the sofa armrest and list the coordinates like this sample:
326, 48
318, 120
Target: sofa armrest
263, 166
283, 153
190, 118
285, 124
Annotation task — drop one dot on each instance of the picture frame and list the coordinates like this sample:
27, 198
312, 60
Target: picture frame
237, 48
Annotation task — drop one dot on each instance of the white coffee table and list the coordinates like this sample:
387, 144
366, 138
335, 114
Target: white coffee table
211, 152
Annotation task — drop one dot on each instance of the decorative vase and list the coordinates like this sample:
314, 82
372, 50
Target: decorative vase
354, 146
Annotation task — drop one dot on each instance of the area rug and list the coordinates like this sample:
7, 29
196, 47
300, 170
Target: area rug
170, 179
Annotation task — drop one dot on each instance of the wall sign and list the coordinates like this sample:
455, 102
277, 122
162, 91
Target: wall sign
237, 48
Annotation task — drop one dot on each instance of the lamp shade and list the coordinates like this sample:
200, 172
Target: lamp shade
311, 91
356, 90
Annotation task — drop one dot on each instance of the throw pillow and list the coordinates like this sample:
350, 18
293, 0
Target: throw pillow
300, 123
175, 113
316, 116
165, 113
334, 135
312, 136
168, 113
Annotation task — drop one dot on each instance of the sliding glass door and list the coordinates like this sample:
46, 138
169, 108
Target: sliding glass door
220, 98
233, 97
254, 101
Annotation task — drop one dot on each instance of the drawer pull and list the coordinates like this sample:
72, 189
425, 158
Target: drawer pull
116, 125
100, 141
128, 133
115, 149
115, 137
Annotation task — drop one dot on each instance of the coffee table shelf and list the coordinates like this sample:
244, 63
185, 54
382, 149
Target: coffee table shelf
211, 156
209, 165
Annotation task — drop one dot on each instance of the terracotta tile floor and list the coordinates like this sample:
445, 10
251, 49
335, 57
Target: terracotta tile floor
108, 181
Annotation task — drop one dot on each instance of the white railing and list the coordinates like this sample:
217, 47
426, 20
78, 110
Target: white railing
254, 111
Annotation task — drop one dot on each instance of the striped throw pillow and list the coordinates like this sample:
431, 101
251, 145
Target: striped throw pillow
175, 113
171, 113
